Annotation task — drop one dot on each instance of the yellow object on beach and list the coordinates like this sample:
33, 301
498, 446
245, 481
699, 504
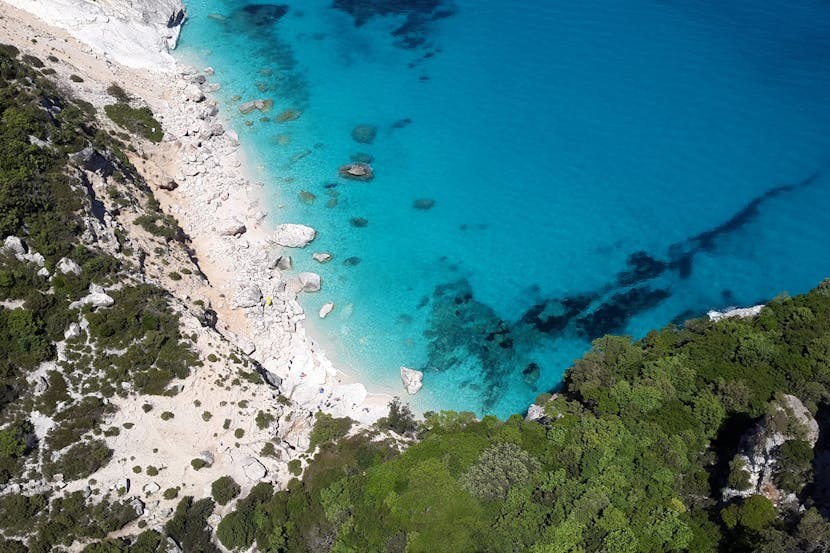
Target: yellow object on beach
268, 300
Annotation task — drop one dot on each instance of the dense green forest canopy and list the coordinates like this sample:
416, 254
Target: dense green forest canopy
631, 456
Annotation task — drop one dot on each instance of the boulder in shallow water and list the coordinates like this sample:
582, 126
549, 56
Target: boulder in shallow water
364, 134
359, 222
412, 380
357, 171
352, 261
423, 203
307, 197
293, 235
310, 282
321, 257
327, 308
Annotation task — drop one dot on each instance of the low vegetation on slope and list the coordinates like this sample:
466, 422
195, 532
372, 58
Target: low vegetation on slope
62, 355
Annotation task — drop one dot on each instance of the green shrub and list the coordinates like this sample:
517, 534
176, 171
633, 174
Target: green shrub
118, 93
152, 471
171, 493
295, 467
167, 415
328, 429
238, 433
206, 416
264, 420
224, 490
136, 120
198, 464
189, 527
174, 275
75, 78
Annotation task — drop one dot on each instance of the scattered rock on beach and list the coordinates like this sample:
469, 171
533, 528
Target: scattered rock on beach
293, 236
231, 227
364, 134
412, 380
423, 203
357, 171
248, 297
193, 93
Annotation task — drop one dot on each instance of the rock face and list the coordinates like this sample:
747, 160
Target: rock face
137, 34
412, 380
789, 419
15, 245
293, 236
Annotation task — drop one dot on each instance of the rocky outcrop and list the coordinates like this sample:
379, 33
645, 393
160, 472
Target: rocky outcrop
137, 34
321, 257
96, 298
293, 236
729, 313
327, 308
67, 266
788, 420
412, 380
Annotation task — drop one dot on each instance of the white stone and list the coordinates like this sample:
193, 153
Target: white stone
535, 412
327, 308
310, 282
253, 469
15, 245
248, 297
151, 488
137, 505
412, 380
193, 93
292, 235
231, 227
72, 332
66, 266
740, 313
321, 257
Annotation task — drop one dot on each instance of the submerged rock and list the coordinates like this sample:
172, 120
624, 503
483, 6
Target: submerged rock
423, 203
352, 261
288, 115
359, 222
321, 257
412, 380
307, 197
357, 171
362, 157
364, 134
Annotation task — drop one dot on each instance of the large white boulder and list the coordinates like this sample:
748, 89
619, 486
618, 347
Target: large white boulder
67, 266
292, 235
327, 308
412, 380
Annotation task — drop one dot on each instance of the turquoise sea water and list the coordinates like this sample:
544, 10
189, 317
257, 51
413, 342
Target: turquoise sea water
595, 167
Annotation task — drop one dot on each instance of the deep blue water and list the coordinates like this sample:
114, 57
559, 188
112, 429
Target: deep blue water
596, 167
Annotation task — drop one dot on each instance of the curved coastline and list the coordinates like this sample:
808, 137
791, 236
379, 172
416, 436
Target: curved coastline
212, 192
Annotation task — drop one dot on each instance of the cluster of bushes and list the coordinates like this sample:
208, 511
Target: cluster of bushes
631, 457
139, 121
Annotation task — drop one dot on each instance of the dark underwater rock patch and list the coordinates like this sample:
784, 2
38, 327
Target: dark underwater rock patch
423, 203
359, 222
612, 316
364, 133
352, 261
419, 15
264, 14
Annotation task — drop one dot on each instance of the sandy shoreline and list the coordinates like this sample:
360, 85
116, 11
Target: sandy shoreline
212, 195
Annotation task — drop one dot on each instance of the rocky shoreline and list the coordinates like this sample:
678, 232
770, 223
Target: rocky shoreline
198, 175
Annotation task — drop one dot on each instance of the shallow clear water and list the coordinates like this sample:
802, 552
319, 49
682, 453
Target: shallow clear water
556, 140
